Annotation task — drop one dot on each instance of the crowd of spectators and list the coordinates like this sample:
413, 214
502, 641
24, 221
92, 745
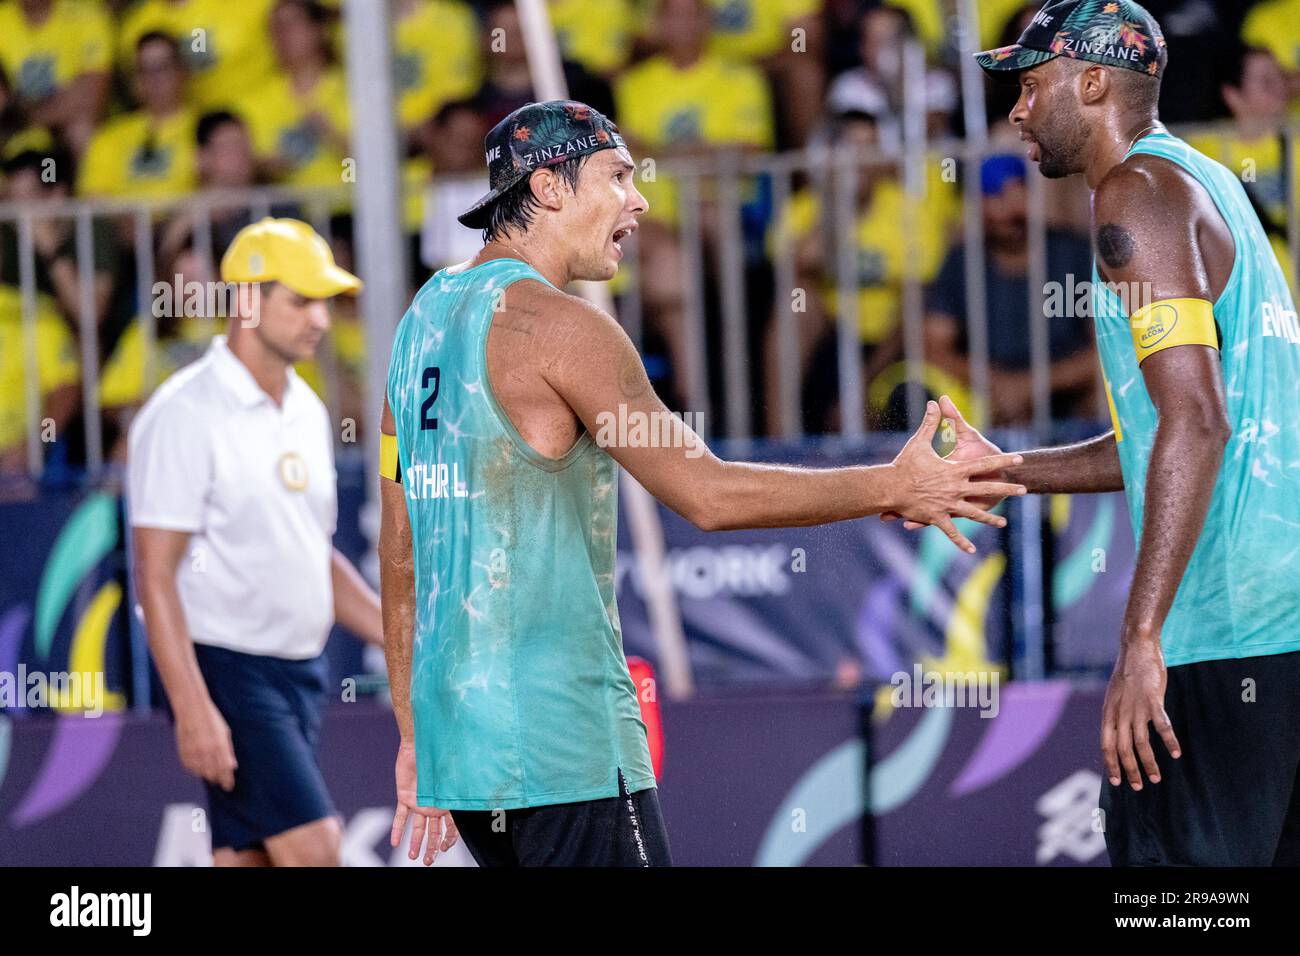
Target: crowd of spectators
156, 99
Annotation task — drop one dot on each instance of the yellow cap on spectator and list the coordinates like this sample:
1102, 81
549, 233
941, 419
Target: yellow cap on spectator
287, 251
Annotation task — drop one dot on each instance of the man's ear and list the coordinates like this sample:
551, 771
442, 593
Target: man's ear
1094, 84
546, 189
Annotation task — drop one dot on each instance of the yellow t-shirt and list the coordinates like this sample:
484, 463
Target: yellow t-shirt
595, 33
76, 38
715, 100
753, 29
277, 121
57, 360
133, 155
931, 20
1259, 163
227, 52
417, 172
435, 58
1275, 25
882, 251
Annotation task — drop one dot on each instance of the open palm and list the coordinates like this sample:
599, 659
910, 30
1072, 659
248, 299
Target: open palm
970, 444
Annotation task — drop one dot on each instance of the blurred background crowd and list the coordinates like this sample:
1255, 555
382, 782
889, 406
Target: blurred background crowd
141, 105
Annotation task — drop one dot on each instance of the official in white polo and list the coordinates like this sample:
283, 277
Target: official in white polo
232, 502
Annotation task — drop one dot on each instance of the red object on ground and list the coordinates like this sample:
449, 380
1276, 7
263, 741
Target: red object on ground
647, 695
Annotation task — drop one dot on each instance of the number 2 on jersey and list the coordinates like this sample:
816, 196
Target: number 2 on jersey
431, 374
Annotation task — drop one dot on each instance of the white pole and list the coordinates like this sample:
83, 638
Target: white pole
377, 237
642, 511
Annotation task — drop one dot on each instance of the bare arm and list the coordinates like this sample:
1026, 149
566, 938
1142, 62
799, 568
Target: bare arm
356, 605
202, 735
718, 495
1152, 238
1089, 466
1152, 229
431, 827
397, 588
1086, 467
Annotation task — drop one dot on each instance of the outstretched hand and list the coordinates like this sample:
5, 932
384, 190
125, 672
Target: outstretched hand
934, 490
970, 446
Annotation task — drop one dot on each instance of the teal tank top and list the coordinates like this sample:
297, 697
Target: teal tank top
1240, 596
520, 692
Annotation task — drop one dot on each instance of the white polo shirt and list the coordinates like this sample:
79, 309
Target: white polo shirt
254, 484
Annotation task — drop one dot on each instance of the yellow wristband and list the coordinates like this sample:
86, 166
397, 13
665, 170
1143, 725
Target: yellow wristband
1169, 322
388, 464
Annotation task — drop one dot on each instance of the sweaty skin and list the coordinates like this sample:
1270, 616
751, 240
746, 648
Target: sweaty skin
558, 364
1155, 224
1157, 230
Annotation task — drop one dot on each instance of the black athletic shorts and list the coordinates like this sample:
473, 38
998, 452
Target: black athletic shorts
627, 830
1233, 797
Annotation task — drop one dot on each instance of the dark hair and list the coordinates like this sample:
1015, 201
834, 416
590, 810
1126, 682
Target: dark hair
321, 17
452, 107
157, 36
850, 116
1141, 91
209, 123
34, 160
1138, 92
515, 209
903, 16
316, 11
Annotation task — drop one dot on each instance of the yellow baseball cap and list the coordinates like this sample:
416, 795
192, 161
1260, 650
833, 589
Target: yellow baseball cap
287, 251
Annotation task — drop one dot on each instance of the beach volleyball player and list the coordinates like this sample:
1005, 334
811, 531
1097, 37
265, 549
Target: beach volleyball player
1201, 353
519, 721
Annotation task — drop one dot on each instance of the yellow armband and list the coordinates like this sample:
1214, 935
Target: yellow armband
389, 467
1169, 322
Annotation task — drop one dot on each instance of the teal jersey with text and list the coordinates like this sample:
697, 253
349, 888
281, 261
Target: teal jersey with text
519, 688
1240, 596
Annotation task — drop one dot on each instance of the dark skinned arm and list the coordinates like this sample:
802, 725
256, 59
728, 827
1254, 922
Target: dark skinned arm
1152, 227
1085, 467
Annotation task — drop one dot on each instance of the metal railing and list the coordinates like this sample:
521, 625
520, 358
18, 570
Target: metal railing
832, 173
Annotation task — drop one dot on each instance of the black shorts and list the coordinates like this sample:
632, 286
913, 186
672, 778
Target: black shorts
627, 830
1233, 797
273, 707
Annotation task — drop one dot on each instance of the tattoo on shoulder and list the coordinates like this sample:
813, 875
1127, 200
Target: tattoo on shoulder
1115, 245
632, 379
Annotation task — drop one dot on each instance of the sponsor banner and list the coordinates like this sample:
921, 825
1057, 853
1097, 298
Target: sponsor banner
951, 787
64, 635
776, 780
1094, 555
745, 780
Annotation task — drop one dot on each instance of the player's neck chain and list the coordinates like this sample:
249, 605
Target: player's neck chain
1142, 132
517, 254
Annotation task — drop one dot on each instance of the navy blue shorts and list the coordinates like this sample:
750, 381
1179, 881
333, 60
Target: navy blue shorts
273, 707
